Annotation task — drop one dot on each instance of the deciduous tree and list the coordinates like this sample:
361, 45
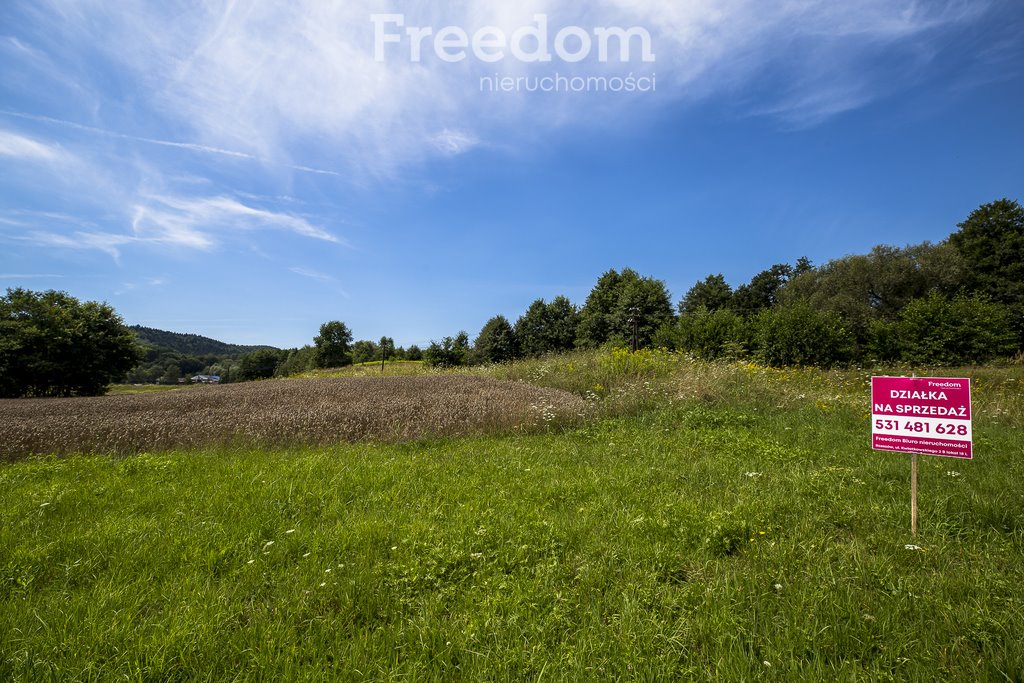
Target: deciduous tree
333, 345
51, 344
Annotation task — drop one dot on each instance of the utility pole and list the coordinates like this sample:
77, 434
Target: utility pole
383, 352
634, 319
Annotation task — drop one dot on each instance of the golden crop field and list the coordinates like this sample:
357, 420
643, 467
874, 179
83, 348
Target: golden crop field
308, 411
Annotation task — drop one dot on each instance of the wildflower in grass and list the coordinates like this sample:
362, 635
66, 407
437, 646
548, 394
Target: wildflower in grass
753, 475
476, 556
778, 586
911, 546
952, 474
323, 584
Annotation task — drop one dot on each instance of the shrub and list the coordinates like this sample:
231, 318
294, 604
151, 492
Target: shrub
261, 364
448, 353
713, 334
801, 335
937, 330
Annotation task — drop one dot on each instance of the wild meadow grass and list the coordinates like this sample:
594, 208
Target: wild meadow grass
713, 522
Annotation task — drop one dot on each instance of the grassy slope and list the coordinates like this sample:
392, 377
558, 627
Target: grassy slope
738, 519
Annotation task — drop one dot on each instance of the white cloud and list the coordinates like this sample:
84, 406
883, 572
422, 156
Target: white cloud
22, 147
107, 243
187, 220
314, 275
297, 83
182, 222
322, 278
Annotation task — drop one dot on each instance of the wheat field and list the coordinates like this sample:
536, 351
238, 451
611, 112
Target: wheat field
281, 412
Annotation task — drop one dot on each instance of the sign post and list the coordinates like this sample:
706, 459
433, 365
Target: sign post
921, 415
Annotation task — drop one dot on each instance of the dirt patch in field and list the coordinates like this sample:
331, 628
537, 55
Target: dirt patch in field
281, 412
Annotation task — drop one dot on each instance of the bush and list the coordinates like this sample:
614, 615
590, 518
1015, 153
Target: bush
937, 330
801, 335
260, 364
448, 353
713, 334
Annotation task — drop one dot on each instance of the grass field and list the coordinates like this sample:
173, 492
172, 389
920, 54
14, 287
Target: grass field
720, 522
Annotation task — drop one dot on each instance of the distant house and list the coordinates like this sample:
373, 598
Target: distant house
206, 379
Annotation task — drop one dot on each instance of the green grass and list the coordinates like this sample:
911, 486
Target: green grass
721, 522
372, 369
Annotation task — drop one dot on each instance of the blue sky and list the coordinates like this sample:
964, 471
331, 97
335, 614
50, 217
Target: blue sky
249, 171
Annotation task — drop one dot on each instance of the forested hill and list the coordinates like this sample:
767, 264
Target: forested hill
191, 344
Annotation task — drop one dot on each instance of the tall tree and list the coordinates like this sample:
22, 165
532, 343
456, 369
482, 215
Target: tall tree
547, 327
644, 305
51, 344
332, 345
762, 291
711, 293
387, 350
866, 287
991, 243
620, 304
595, 327
496, 342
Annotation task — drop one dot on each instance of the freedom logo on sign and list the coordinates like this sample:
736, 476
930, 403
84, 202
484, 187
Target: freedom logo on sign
926, 415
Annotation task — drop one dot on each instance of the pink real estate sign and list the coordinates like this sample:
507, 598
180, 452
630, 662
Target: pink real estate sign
926, 415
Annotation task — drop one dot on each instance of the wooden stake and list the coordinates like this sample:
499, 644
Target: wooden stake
913, 489
913, 494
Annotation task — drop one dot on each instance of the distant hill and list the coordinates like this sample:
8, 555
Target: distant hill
191, 344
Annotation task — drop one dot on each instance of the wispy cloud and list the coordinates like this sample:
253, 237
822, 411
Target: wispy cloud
322, 278
188, 146
297, 85
108, 243
197, 223
189, 221
22, 147
314, 275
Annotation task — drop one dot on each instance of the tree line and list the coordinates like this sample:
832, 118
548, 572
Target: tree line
956, 302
